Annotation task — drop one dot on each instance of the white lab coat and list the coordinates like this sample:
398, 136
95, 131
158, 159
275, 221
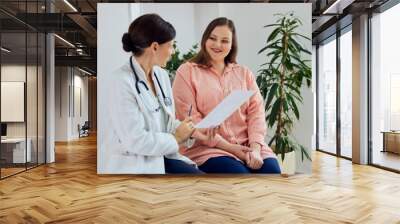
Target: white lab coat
130, 145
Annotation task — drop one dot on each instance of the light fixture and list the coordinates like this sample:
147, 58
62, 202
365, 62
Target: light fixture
80, 51
64, 40
84, 71
70, 5
5, 50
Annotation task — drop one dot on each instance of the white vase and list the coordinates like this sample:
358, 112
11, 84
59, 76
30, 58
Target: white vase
288, 166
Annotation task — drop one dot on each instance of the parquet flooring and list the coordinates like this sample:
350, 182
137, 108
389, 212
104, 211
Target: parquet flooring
70, 191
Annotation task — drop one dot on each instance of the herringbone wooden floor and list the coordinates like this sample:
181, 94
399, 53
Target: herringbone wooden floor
70, 191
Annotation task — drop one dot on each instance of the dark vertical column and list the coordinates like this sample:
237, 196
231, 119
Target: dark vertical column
369, 79
45, 87
1, 165
317, 95
26, 86
37, 89
338, 91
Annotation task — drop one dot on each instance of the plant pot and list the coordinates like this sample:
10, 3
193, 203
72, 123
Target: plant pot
288, 166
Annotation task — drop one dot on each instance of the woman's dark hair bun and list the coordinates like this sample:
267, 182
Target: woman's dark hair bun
145, 30
127, 43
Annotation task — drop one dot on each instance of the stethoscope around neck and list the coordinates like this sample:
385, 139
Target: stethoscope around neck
167, 100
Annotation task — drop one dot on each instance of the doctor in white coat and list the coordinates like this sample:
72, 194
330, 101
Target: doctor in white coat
142, 135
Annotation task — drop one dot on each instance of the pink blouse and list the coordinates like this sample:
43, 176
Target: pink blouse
204, 89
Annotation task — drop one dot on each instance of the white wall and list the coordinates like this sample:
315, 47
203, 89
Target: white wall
67, 114
80, 108
184, 21
16, 72
82, 82
110, 54
61, 103
190, 20
203, 14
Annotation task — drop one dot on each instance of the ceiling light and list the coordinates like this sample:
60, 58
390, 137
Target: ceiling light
5, 50
329, 9
70, 5
65, 41
79, 51
84, 71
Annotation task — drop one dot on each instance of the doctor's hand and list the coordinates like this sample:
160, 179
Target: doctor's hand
184, 130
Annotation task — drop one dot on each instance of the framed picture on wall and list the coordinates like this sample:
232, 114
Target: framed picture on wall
12, 101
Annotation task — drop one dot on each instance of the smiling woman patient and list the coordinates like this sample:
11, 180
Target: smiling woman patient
239, 145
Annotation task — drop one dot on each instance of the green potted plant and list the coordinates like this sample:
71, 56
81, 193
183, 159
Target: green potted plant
280, 80
176, 59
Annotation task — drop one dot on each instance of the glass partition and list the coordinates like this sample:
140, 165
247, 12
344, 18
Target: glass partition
22, 67
14, 154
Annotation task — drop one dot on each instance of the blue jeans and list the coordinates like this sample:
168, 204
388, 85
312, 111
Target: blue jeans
179, 167
227, 164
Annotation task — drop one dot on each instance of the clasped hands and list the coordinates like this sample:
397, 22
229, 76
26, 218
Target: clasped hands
251, 154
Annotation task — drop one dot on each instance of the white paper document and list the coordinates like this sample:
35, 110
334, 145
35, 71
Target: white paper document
224, 109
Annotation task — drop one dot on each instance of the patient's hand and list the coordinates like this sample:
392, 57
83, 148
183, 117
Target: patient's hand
241, 151
255, 161
207, 134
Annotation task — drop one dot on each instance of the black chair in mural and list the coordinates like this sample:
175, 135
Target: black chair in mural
84, 129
